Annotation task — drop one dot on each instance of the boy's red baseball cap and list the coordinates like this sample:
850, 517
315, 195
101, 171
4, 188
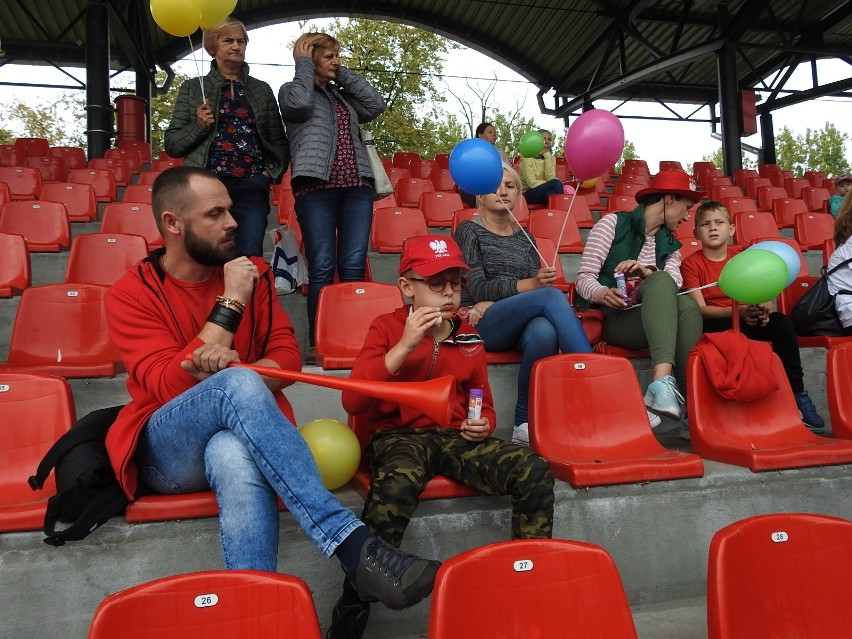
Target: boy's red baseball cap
431, 254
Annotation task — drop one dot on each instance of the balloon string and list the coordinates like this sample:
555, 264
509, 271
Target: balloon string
564, 224
198, 68
689, 290
529, 239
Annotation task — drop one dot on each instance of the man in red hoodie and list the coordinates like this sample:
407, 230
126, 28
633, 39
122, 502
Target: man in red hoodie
180, 318
414, 343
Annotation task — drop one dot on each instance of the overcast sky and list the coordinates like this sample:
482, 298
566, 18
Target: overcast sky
270, 57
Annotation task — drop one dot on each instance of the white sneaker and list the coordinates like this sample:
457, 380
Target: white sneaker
654, 420
521, 434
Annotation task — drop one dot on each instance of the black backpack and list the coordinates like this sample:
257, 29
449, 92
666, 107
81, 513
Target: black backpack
815, 313
87, 491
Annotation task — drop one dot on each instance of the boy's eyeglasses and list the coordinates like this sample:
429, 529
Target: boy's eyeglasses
437, 286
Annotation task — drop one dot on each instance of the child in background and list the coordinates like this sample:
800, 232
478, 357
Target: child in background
759, 322
424, 340
843, 185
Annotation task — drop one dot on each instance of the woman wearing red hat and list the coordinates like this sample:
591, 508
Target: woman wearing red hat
639, 244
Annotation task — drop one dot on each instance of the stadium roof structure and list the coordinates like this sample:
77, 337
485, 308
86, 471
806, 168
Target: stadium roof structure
694, 52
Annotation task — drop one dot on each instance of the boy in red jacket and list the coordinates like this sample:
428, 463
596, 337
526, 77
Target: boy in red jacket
425, 340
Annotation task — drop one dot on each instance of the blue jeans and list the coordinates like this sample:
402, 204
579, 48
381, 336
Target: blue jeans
250, 208
540, 193
336, 231
228, 433
539, 324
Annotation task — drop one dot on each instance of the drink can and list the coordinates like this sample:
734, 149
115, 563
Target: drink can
474, 404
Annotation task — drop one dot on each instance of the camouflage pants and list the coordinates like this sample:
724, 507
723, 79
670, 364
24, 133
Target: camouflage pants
403, 462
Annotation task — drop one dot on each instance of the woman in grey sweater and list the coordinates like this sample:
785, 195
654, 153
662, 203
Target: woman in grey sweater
513, 303
234, 130
332, 182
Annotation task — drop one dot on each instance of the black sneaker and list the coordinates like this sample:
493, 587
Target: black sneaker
395, 578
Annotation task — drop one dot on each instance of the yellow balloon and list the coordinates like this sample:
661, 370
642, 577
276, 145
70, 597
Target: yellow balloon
335, 448
589, 183
176, 17
214, 11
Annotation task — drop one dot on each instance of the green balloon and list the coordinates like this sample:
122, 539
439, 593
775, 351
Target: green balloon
754, 276
532, 144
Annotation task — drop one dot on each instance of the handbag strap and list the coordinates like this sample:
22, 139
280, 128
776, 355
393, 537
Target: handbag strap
843, 263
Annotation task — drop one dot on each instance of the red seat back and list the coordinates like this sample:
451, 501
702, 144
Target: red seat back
780, 575
578, 206
102, 258
739, 205
44, 225
442, 180
52, 169
101, 180
74, 156
751, 225
838, 372
549, 223
530, 588
409, 190
24, 182
815, 198
15, 274
438, 207
12, 155
34, 146
35, 410
767, 194
785, 209
811, 230
135, 218
392, 225
129, 155
79, 199
210, 605
463, 215
138, 193
144, 148
119, 167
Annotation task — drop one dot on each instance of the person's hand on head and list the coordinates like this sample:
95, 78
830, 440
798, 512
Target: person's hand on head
241, 276
303, 49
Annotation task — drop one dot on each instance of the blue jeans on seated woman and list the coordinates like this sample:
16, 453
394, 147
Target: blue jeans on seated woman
539, 324
540, 193
335, 227
228, 433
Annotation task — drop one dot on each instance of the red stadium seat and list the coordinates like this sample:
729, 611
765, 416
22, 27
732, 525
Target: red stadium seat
12, 155
393, 225
442, 160
409, 190
210, 605
34, 146
628, 187
689, 247
35, 410
74, 156
165, 163
766, 169
146, 178
137, 194
4, 194
700, 170
79, 199
15, 272
101, 180
827, 249
780, 575
120, 169
439, 487
344, 314
24, 182
402, 159
442, 180
530, 588
816, 178
594, 436
739, 205
785, 209
815, 198
61, 329
385, 202
143, 147
615, 203
592, 197
395, 174
52, 169
580, 210
767, 194
422, 168
686, 229
763, 434
286, 205
811, 230
462, 215
548, 249
635, 165
102, 258
670, 165
838, 383
135, 218
129, 155
740, 176
794, 186
749, 226
438, 207
549, 223
44, 225
754, 183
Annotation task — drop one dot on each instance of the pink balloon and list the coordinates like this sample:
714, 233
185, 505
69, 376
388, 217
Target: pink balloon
594, 143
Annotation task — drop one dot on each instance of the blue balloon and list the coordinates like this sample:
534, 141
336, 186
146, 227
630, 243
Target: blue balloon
785, 252
476, 166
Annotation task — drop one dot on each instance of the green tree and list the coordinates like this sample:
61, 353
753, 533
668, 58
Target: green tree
717, 158
401, 62
58, 121
629, 153
511, 127
815, 150
162, 107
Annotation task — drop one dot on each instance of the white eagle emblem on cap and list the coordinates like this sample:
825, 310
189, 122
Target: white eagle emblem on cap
440, 247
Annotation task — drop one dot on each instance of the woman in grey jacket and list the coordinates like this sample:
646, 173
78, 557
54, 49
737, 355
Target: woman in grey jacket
332, 183
235, 130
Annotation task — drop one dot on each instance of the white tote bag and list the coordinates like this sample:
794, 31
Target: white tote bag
381, 184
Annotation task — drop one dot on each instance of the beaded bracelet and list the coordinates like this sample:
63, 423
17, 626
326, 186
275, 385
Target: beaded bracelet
228, 302
227, 318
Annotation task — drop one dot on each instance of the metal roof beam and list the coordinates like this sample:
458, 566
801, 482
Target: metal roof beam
636, 76
833, 88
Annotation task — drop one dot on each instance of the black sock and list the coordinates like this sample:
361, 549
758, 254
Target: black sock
349, 550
